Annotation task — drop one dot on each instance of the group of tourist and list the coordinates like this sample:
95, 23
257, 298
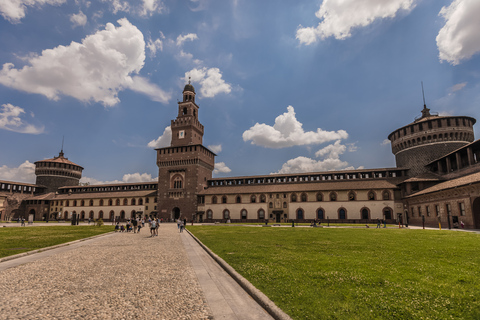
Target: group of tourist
136, 225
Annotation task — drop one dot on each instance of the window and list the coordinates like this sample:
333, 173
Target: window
147, 200
67, 204
74, 203
133, 202
300, 214
437, 210
209, 214
270, 205
214, 200
253, 199
319, 197
177, 182
91, 203
294, 197
304, 197
117, 202
110, 202
125, 202
82, 203
428, 210
261, 214
320, 214
387, 213
365, 213
413, 212
386, 195
224, 199
243, 214
333, 196
351, 196
238, 199
263, 198
140, 202
101, 202
461, 206
449, 209
342, 214
371, 195
419, 211
284, 204
226, 214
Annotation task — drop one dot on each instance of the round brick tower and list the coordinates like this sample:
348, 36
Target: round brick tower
57, 172
428, 138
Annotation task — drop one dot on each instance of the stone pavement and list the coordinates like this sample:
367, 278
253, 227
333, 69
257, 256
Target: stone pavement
124, 276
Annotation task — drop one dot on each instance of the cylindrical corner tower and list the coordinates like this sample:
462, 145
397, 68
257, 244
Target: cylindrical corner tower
57, 172
428, 138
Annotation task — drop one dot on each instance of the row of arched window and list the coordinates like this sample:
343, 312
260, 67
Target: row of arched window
457, 136
101, 215
300, 214
332, 196
109, 202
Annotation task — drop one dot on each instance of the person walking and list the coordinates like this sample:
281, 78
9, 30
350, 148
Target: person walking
135, 223
153, 226
181, 225
157, 226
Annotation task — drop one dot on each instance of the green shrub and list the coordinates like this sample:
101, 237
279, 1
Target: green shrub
99, 222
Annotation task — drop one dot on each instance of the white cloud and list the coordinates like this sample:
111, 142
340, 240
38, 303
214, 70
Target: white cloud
23, 173
211, 82
220, 167
457, 87
127, 178
142, 85
79, 19
94, 70
119, 5
14, 10
163, 141
216, 148
331, 161
181, 39
459, 39
10, 119
287, 132
339, 17
151, 6
153, 46
385, 142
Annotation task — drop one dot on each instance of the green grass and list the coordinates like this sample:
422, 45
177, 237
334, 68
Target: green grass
322, 273
23, 239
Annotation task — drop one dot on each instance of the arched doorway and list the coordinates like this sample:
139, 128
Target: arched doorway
176, 213
31, 215
365, 214
476, 212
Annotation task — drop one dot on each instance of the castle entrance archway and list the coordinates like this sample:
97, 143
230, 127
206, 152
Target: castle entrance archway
476, 212
176, 213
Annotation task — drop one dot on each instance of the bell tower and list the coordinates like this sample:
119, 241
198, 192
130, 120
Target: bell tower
185, 166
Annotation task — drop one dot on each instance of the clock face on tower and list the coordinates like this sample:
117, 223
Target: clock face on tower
181, 134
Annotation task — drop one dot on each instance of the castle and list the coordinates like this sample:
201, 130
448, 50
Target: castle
436, 181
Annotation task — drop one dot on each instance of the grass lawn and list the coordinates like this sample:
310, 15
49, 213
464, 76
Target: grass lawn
22, 239
332, 273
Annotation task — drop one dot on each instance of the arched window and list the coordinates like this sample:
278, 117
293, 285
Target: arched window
91, 203
319, 196
253, 199
300, 214
125, 202
284, 204
333, 196
67, 204
371, 195
387, 213
117, 202
74, 203
110, 202
293, 198
263, 198
214, 200
133, 202
82, 203
304, 197
226, 214
386, 195
238, 199
100, 215
224, 199
320, 213
112, 215
342, 213
122, 215
243, 214
365, 213
140, 202
261, 214
147, 200
270, 205
177, 182
351, 196
90, 215
209, 214
101, 202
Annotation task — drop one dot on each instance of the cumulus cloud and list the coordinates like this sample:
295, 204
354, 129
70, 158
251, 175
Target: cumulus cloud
119, 5
142, 85
211, 82
127, 178
459, 38
331, 161
79, 19
151, 6
153, 46
287, 132
339, 17
10, 119
94, 70
181, 39
216, 148
163, 141
23, 173
220, 167
14, 10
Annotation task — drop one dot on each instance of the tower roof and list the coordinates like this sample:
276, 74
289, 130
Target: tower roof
189, 87
60, 159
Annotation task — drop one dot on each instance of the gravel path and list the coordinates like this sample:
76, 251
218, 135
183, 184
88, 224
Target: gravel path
123, 276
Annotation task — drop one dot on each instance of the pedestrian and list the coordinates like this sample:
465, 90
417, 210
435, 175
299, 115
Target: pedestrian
135, 223
178, 223
158, 226
117, 227
184, 222
378, 223
153, 225
462, 224
89, 219
384, 223
181, 225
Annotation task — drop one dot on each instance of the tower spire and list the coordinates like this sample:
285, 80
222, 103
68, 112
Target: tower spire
61, 151
425, 111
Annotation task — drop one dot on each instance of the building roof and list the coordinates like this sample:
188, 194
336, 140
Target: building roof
475, 143
46, 196
18, 183
60, 159
106, 195
425, 177
473, 178
357, 184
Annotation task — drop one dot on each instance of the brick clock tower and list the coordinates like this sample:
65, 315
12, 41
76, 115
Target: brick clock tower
185, 166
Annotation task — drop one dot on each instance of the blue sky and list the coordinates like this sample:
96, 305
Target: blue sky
283, 86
